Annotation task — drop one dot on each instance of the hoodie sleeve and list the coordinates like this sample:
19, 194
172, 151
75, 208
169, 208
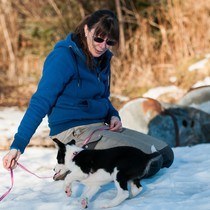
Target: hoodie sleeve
57, 72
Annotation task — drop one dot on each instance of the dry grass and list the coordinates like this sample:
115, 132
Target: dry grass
162, 48
168, 37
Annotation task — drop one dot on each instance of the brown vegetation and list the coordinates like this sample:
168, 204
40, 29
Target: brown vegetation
159, 39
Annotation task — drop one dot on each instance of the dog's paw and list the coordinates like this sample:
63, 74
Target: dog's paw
135, 191
105, 206
68, 191
84, 203
102, 204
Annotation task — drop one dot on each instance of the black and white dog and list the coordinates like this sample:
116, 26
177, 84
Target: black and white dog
95, 168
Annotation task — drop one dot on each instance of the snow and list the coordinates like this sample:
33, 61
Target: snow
185, 185
200, 64
9, 120
206, 81
158, 91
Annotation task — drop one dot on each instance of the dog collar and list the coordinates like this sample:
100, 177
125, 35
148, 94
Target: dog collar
74, 154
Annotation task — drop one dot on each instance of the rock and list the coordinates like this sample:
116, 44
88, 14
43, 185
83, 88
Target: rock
178, 124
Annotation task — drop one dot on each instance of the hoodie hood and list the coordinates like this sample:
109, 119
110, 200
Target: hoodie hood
77, 52
68, 42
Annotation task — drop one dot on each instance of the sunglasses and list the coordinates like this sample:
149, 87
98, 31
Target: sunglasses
100, 40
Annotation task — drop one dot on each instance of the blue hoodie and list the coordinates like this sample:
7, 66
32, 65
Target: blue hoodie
69, 93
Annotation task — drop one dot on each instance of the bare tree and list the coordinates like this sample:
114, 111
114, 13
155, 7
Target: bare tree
121, 23
4, 10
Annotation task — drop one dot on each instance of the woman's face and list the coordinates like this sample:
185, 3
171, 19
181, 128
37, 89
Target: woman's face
96, 48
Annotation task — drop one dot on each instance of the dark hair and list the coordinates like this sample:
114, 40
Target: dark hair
106, 25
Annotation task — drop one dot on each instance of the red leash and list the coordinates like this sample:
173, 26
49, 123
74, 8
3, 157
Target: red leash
12, 179
86, 141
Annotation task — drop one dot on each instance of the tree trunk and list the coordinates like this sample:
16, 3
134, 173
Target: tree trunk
12, 61
121, 22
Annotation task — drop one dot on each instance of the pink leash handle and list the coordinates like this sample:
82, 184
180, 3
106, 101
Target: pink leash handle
12, 179
12, 183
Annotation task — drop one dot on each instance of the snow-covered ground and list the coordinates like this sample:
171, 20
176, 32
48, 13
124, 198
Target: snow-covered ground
185, 185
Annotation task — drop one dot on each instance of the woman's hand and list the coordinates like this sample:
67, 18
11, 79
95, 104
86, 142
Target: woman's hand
115, 124
11, 158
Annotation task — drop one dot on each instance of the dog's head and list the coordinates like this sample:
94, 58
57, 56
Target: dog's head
60, 172
61, 169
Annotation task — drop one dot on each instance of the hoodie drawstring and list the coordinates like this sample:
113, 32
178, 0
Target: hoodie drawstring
76, 67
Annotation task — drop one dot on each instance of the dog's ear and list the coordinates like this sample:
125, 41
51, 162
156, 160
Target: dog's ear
60, 144
72, 142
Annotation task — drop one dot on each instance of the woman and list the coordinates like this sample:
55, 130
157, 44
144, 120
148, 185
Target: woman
74, 93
